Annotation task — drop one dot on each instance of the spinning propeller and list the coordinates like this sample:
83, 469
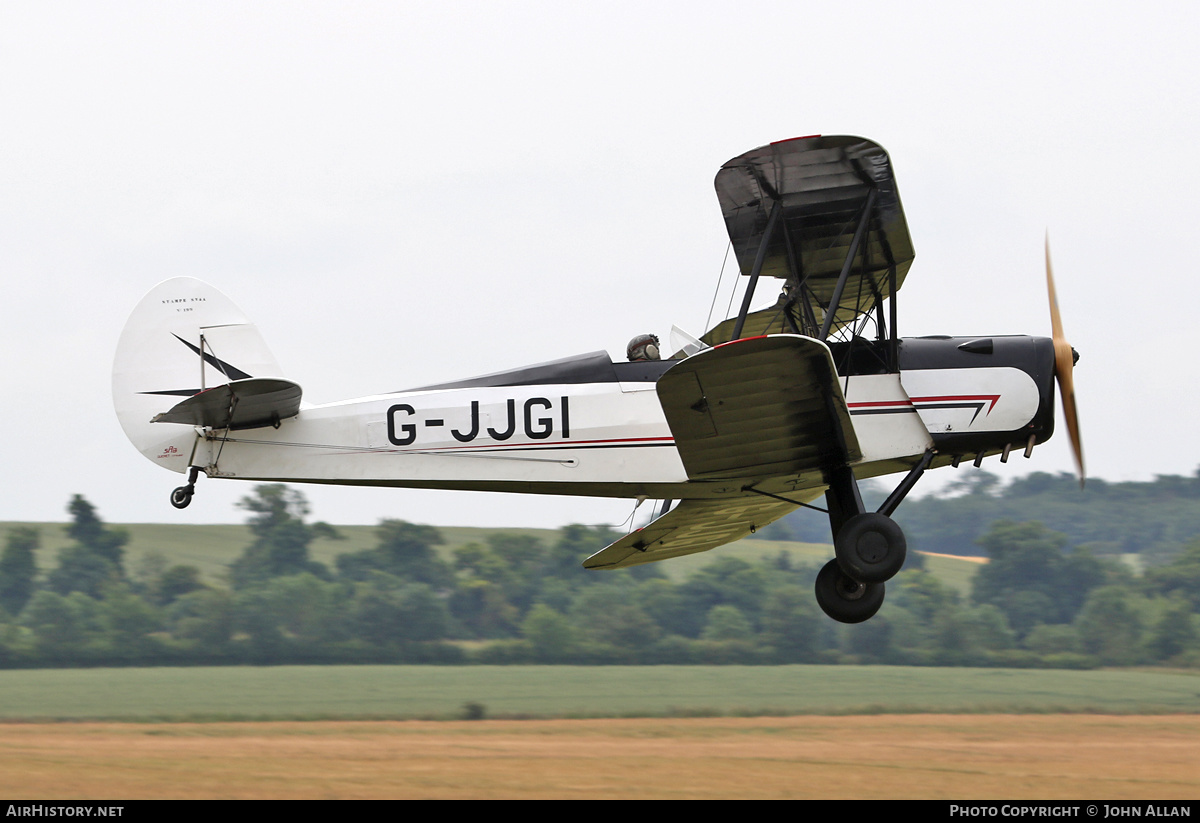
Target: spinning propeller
1064, 364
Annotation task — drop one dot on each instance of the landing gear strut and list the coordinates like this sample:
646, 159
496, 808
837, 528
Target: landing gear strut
181, 497
869, 547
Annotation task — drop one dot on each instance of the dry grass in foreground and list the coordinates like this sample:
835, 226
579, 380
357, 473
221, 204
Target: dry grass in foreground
884, 756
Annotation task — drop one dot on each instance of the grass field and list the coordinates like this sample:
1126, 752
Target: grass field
1005, 757
406, 692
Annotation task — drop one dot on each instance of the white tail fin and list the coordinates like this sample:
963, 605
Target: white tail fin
183, 337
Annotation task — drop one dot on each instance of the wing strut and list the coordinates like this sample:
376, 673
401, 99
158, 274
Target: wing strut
757, 270
863, 221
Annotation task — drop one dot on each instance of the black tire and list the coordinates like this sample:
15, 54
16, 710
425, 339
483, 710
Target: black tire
182, 497
870, 548
845, 599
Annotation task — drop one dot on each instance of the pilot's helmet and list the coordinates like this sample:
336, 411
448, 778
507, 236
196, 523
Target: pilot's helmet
643, 347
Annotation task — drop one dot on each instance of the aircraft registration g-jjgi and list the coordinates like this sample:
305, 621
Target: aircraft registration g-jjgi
765, 413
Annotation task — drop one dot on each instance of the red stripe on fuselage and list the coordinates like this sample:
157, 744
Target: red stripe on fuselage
499, 446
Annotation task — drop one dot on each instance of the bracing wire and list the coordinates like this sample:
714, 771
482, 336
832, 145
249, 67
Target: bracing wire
716, 291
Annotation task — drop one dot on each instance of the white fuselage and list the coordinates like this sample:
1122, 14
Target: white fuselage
601, 439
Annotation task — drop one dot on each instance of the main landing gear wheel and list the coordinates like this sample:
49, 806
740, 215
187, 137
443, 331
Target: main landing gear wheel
845, 599
870, 548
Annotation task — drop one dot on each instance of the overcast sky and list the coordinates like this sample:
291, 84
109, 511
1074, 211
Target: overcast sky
406, 193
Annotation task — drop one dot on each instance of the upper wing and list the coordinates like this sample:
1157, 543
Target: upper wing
758, 407
822, 185
693, 526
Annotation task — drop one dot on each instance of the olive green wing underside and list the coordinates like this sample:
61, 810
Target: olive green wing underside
692, 526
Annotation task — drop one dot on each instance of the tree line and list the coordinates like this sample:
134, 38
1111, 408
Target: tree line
1153, 520
1042, 600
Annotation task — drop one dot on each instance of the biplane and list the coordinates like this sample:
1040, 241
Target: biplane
768, 411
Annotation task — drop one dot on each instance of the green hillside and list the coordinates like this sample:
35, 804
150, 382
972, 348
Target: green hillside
211, 548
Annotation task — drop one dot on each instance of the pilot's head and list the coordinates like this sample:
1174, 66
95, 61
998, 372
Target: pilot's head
643, 347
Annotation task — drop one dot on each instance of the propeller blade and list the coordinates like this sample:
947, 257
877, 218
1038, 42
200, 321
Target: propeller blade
1064, 366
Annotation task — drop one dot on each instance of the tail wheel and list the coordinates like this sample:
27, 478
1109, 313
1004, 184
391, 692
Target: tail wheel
845, 599
870, 547
181, 497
